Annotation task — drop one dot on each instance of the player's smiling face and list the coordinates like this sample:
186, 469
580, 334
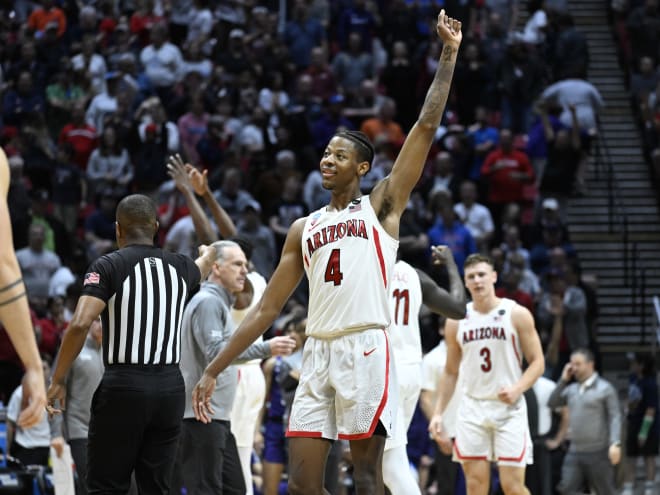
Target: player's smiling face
338, 165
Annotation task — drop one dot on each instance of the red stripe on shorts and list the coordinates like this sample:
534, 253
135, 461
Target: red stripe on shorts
383, 400
516, 459
462, 457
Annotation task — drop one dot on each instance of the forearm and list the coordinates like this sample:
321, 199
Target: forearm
426, 403
446, 387
255, 324
202, 225
15, 313
647, 422
223, 221
534, 370
614, 414
557, 398
456, 287
562, 431
72, 344
436, 97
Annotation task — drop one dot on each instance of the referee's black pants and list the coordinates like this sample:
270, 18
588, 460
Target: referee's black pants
135, 423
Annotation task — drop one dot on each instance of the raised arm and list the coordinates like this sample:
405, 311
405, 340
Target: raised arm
449, 304
176, 169
390, 196
15, 314
200, 184
285, 279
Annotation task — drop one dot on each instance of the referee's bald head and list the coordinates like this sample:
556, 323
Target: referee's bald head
137, 216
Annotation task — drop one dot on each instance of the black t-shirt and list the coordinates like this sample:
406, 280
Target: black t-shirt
145, 289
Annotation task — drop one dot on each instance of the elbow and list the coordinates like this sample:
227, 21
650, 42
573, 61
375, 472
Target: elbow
457, 313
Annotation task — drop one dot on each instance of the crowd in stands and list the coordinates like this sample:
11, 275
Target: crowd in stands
636, 26
96, 95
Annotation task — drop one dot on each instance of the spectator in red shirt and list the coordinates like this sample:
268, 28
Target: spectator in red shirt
47, 13
506, 171
324, 84
142, 20
80, 135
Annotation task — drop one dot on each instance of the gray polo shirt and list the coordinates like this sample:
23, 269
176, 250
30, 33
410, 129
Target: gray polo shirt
593, 409
206, 328
81, 382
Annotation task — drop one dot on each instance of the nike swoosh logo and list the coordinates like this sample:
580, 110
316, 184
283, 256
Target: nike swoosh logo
366, 353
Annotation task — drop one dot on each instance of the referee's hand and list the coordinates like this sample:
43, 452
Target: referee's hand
201, 398
56, 394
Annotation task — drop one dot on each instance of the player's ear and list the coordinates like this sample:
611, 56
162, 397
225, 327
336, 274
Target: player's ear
363, 168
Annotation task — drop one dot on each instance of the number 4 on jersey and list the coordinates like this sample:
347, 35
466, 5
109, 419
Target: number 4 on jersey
333, 271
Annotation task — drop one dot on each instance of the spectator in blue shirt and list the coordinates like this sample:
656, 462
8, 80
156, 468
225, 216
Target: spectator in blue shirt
448, 230
301, 34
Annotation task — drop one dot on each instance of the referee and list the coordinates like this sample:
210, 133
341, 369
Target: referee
139, 291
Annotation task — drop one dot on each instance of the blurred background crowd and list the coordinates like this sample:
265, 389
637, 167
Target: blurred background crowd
97, 94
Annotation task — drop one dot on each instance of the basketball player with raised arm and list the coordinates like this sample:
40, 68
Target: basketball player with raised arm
487, 348
408, 289
348, 250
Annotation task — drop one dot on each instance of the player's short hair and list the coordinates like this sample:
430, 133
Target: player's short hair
588, 355
476, 258
137, 215
363, 146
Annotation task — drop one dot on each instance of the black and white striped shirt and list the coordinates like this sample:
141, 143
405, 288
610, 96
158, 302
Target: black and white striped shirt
145, 289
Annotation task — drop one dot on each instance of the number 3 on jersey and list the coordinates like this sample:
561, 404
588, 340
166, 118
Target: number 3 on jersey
332, 270
487, 364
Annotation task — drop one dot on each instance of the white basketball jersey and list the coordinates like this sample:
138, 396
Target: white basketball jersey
491, 352
348, 259
405, 301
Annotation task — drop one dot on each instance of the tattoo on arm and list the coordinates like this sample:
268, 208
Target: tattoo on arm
437, 95
9, 286
12, 299
447, 53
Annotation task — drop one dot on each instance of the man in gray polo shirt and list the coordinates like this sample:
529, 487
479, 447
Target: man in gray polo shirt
208, 456
595, 426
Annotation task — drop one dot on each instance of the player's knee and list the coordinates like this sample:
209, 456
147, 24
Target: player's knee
476, 484
513, 486
301, 486
365, 474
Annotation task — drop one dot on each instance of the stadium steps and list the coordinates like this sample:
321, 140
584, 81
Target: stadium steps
624, 324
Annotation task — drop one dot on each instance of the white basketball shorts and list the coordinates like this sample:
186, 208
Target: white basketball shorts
491, 430
346, 386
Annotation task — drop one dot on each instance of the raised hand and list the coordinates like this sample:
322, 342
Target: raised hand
441, 255
177, 170
198, 180
448, 29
